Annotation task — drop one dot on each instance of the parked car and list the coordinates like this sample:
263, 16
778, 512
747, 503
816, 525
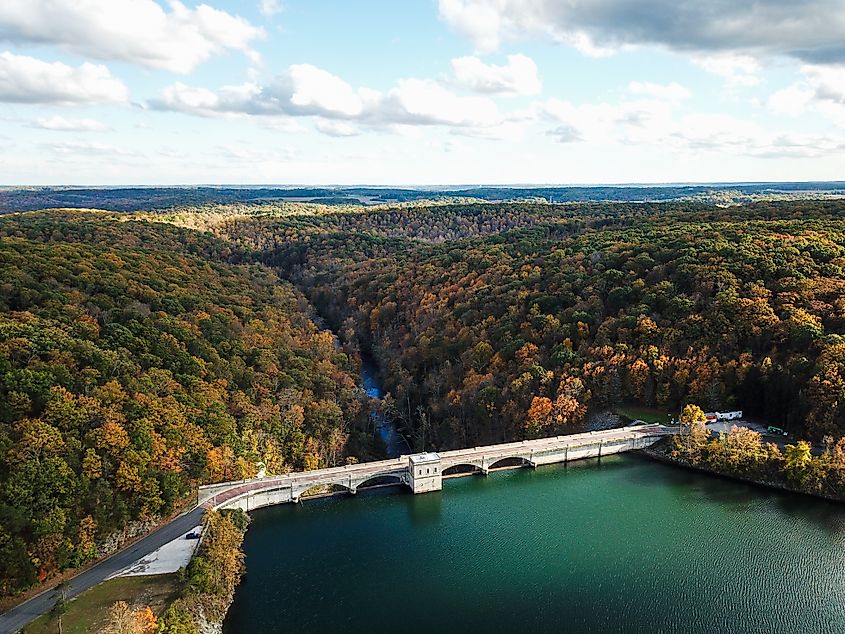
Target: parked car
192, 535
776, 430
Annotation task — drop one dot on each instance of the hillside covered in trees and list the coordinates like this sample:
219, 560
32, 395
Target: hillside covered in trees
494, 322
135, 361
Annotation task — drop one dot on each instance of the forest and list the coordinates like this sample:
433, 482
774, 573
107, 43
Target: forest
494, 322
144, 353
135, 361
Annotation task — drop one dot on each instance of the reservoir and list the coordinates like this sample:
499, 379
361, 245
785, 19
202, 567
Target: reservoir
624, 545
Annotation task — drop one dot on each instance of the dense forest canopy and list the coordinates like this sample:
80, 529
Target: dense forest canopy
134, 362
141, 354
494, 322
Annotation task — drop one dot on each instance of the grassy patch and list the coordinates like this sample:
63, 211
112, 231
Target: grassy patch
647, 414
88, 612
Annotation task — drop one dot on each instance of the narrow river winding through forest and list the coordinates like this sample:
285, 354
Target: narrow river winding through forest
394, 442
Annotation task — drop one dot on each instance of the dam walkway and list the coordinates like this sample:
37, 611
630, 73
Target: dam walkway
424, 472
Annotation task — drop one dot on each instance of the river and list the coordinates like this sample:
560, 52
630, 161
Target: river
626, 545
394, 442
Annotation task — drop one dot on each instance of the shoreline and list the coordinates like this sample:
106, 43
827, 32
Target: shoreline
662, 457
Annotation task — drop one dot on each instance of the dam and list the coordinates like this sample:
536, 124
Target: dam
424, 472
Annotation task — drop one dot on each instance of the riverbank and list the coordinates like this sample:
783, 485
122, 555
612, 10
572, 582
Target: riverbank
662, 452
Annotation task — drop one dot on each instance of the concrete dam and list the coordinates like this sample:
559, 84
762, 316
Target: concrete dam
424, 472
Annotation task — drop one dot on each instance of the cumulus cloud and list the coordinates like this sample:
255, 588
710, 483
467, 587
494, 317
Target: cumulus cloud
61, 124
306, 90
828, 82
136, 31
425, 102
812, 30
29, 80
737, 70
631, 120
792, 100
517, 77
336, 128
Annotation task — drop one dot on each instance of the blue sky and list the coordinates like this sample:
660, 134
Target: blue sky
421, 91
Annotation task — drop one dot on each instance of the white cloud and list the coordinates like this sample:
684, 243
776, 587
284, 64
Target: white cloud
822, 91
269, 8
638, 120
88, 148
828, 82
517, 77
244, 153
482, 22
305, 90
61, 124
189, 99
670, 92
316, 91
336, 128
425, 102
136, 31
792, 100
659, 124
29, 80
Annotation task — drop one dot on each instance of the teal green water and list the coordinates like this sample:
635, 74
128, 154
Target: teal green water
623, 546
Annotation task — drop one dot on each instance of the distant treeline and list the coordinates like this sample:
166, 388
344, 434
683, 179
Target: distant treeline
159, 198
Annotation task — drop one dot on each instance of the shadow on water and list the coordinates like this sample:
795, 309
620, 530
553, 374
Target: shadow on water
828, 515
425, 509
737, 496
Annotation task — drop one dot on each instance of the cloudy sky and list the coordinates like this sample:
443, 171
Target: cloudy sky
421, 91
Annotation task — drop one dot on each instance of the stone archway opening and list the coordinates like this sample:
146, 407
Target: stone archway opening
323, 490
460, 470
509, 463
377, 482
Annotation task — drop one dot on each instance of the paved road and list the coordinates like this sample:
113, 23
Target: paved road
17, 617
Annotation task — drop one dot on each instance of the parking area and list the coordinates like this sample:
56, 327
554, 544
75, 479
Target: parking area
167, 559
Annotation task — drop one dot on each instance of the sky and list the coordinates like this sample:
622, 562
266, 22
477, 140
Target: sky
415, 92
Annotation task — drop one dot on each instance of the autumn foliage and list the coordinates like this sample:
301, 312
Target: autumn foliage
501, 321
135, 362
